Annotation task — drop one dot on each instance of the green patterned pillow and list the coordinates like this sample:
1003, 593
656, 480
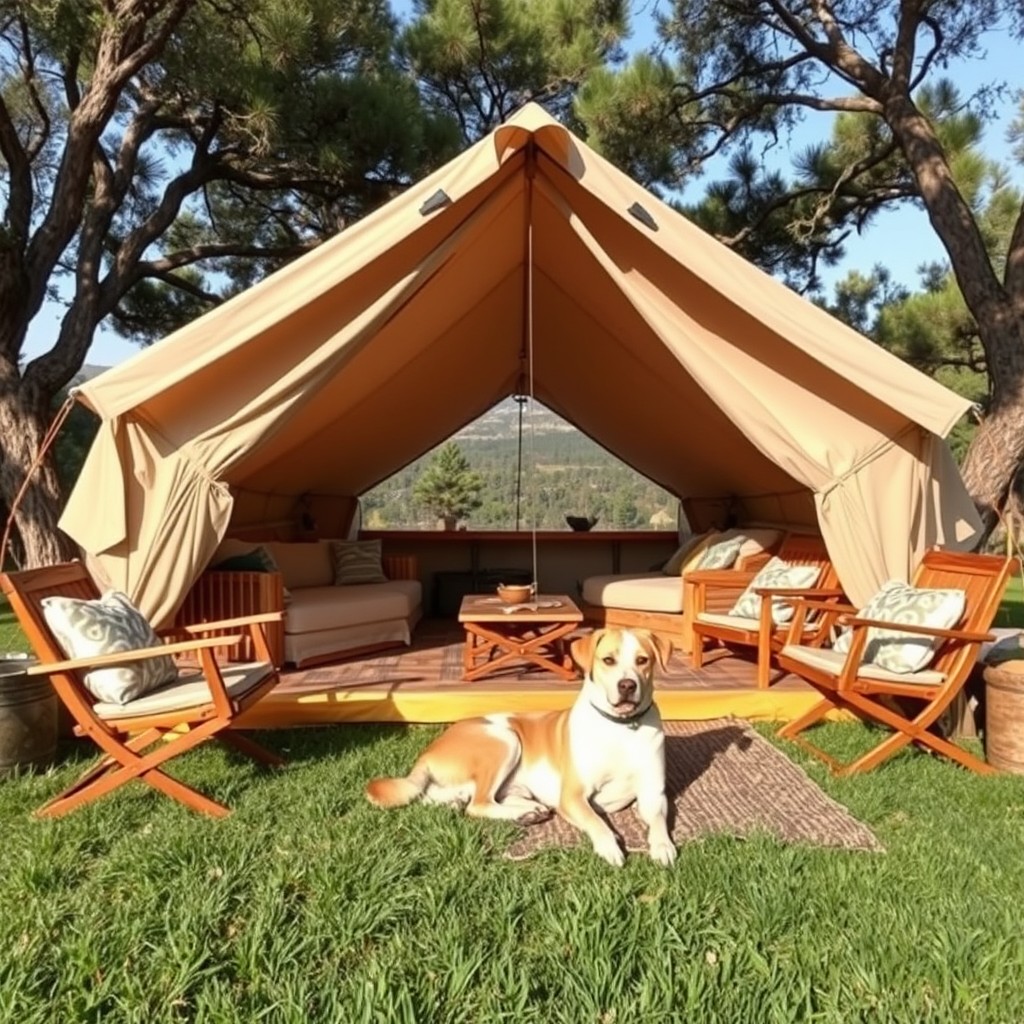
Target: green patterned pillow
357, 561
721, 555
257, 560
899, 602
106, 626
779, 575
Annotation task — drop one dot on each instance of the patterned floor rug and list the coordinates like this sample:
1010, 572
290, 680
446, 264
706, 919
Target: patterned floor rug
722, 777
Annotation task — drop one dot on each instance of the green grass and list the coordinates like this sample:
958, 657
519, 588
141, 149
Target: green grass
307, 904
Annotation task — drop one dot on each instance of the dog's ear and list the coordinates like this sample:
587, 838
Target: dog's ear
582, 650
659, 645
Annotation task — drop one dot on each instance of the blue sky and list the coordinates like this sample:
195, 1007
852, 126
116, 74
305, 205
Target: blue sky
901, 240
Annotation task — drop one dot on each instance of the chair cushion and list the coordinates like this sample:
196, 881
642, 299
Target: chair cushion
741, 622
830, 660
357, 561
190, 690
900, 602
635, 591
109, 625
777, 574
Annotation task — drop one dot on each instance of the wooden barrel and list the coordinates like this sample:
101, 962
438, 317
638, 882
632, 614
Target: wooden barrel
28, 717
1004, 716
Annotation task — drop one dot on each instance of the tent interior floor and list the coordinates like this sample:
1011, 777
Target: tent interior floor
423, 683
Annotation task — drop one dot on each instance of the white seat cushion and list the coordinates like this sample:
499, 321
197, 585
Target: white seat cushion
315, 608
827, 660
190, 690
639, 591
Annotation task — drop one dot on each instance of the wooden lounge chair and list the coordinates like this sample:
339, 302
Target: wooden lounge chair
708, 593
140, 736
880, 696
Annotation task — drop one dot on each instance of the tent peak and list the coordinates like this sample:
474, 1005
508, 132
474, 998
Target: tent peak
533, 122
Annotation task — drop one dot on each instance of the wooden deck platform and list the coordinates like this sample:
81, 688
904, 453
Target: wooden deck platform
423, 683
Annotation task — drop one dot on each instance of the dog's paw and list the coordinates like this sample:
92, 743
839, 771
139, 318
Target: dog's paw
663, 853
608, 849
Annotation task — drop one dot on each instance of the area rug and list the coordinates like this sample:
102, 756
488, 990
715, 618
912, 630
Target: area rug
723, 777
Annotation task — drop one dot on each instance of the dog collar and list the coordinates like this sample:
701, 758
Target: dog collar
633, 720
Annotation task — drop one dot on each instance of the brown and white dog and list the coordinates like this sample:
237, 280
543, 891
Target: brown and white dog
607, 750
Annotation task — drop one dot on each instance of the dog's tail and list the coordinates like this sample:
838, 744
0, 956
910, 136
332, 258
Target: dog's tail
399, 792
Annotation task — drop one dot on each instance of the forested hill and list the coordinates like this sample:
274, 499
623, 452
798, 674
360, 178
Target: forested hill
564, 472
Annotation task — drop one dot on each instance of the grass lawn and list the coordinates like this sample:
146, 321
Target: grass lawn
309, 905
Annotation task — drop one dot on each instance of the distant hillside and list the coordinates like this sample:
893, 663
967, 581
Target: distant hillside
564, 472
89, 371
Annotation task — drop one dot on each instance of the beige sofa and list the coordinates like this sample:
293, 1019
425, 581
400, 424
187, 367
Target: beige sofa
656, 600
322, 621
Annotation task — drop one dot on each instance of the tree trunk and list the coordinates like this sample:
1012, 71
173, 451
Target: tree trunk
994, 457
23, 423
997, 451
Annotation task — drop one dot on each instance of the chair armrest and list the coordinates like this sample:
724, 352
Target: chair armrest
789, 592
820, 606
909, 627
719, 577
126, 657
242, 620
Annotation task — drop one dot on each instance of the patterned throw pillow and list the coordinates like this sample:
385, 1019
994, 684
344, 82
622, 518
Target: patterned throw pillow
674, 566
721, 555
357, 561
899, 602
106, 626
778, 575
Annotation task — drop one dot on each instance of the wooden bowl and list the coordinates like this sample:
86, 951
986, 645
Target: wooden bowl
515, 593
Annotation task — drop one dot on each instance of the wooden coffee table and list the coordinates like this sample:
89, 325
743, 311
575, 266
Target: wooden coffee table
499, 635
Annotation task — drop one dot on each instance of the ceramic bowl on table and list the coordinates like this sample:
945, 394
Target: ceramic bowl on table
515, 593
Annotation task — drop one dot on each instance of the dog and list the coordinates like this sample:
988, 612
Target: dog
606, 751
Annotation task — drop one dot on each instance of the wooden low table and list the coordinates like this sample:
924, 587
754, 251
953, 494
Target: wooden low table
499, 635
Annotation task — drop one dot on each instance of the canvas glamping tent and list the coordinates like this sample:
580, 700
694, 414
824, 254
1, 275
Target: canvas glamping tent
528, 257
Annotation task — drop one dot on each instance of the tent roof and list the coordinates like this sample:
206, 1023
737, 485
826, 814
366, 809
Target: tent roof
546, 269
449, 332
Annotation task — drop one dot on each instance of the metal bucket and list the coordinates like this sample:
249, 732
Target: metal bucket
28, 716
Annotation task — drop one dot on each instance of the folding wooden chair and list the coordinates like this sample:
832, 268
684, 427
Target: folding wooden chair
139, 737
877, 695
713, 623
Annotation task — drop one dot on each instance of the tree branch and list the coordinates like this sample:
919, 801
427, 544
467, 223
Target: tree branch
28, 68
218, 250
123, 48
19, 198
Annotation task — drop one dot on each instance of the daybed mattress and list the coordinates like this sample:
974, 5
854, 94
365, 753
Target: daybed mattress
647, 592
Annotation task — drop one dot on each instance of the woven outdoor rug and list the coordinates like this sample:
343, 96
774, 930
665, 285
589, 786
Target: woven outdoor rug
722, 777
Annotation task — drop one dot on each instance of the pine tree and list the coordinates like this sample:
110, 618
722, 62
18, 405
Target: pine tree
448, 488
